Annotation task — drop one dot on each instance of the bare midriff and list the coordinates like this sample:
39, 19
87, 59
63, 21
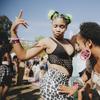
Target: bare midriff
59, 68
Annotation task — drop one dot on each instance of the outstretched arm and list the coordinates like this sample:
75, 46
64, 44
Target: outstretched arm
19, 50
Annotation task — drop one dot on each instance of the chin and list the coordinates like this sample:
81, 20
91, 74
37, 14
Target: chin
57, 37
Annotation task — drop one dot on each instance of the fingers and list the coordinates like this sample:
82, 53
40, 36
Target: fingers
19, 21
20, 14
62, 86
25, 25
22, 21
62, 89
70, 94
62, 92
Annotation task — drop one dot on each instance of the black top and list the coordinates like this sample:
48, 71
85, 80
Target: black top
60, 56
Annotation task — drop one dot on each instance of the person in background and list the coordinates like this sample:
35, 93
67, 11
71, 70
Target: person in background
36, 70
88, 40
27, 71
21, 69
43, 66
59, 49
5, 58
15, 62
79, 65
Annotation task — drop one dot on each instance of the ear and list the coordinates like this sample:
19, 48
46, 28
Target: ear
89, 43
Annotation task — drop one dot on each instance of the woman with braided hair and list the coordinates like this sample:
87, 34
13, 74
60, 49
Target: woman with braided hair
5, 59
59, 50
88, 40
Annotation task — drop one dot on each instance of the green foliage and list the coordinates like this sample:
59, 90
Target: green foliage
38, 38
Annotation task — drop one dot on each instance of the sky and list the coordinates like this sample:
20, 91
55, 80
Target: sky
36, 11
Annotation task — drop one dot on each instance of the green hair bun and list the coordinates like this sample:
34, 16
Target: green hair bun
52, 14
69, 17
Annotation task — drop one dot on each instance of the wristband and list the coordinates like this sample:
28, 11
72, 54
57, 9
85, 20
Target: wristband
15, 40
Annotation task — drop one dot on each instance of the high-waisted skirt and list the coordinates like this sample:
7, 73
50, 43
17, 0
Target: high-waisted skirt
49, 85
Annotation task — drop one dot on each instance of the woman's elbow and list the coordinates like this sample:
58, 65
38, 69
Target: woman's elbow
22, 56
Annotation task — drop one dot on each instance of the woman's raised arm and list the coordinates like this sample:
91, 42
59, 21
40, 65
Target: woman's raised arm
19, 50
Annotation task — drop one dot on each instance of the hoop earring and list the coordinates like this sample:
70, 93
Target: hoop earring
85, 54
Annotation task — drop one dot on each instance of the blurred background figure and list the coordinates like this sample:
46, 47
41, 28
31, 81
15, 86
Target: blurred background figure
43, 66
5, 58
15, 62
21, 69
36, 70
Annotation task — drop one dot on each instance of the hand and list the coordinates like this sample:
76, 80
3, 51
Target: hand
80, 93
63, 89
18, 21
66, 89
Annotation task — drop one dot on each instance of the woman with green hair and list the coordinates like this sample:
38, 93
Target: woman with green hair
59, 50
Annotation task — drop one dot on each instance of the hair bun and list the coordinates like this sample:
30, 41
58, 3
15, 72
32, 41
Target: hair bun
69, 17
52, 14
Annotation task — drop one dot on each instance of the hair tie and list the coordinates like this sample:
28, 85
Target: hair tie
68, 17
52, 14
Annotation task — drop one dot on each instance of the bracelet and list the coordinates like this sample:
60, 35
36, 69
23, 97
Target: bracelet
15, 40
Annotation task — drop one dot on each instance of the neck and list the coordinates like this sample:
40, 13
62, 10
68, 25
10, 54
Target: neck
60, 39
